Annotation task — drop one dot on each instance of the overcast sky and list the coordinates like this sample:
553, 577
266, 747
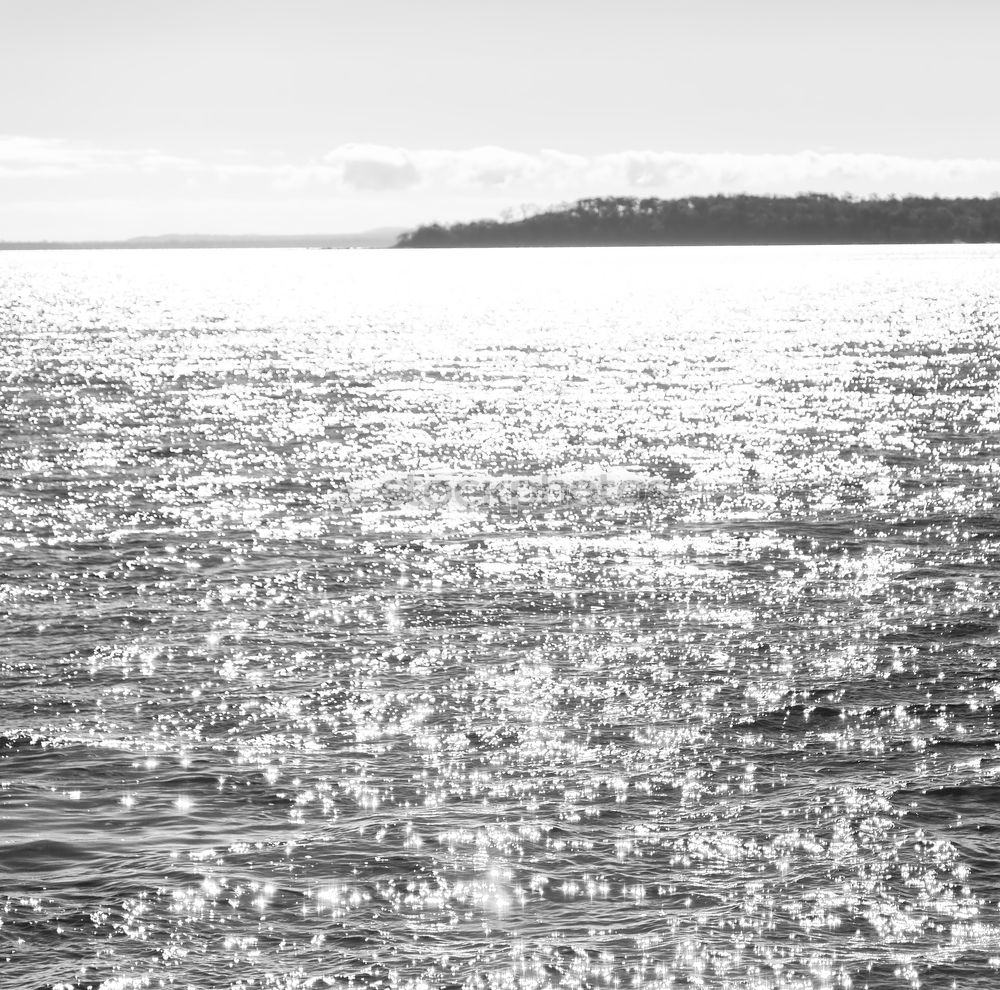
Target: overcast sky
125, 117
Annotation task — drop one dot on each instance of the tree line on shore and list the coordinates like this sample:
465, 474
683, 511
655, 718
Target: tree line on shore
811, 218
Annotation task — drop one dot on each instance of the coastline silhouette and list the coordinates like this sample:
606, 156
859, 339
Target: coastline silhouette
810, 218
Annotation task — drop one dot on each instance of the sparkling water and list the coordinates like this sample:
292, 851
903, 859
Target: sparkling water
526, 619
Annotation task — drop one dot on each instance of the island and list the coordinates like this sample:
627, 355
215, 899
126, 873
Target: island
810, 218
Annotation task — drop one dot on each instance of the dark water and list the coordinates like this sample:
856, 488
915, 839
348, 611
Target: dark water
500, 619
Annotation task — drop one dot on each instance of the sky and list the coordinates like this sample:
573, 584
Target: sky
121, 118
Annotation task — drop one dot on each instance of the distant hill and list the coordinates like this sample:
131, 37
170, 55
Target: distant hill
378, 238
811, 218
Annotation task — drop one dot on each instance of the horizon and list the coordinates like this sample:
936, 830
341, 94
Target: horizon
209, 234
391, 232
231, 117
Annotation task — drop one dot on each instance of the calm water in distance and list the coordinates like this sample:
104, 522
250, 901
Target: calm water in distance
500, 619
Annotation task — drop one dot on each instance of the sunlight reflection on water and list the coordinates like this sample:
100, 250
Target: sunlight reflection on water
500, 618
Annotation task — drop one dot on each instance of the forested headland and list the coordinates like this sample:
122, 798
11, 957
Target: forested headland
812, 218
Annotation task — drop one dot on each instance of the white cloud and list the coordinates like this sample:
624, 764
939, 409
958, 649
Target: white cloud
26, 157
38, 156
660, 172
373, 168
489, 170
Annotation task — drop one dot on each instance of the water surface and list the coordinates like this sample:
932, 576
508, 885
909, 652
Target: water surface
584, 618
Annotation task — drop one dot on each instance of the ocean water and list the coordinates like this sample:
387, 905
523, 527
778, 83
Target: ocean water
500, 619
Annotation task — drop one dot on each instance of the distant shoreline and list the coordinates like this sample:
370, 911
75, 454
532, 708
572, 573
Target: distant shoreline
41, 246
728, 221
126, 246
379, 238
624, 221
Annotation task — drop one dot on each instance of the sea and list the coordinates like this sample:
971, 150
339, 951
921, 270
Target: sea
426, 620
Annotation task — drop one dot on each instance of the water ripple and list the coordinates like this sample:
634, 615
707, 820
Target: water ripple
500, 619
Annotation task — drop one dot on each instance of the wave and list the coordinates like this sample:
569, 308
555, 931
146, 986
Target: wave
924, 631
793, 718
